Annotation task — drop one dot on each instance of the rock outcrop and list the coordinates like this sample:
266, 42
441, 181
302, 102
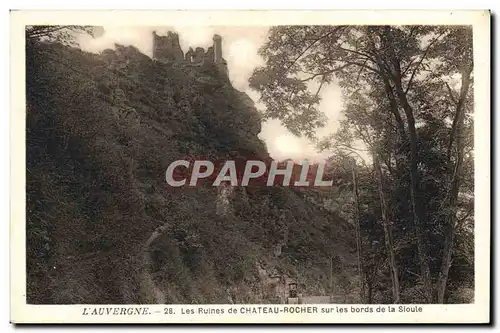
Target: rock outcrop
96, 188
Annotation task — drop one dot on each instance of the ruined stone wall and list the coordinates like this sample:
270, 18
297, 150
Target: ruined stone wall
167, 49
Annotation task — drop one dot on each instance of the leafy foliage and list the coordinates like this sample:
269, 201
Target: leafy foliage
407, 102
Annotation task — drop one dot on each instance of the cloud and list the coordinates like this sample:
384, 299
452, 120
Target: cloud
140, 37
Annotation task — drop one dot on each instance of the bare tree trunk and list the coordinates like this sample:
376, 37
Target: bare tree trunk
392, 72
449, 229
418, 213
387, 232
418, 219
358, 229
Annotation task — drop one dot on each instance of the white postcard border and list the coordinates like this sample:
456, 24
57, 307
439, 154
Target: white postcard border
479, 312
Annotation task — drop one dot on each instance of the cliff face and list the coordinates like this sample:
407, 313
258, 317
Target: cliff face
101, 131
167, 48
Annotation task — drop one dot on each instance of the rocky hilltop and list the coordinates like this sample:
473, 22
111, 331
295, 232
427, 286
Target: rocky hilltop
104, 227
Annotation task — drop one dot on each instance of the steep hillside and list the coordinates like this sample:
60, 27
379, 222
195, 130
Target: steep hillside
101, 131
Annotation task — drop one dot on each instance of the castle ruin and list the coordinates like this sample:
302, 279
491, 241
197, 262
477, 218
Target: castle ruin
167, 49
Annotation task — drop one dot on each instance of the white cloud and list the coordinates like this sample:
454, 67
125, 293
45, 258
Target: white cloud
140, 37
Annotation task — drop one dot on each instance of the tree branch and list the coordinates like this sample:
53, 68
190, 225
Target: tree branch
367, 56
360, 71
311, 45
364, 66
330, 71
420, 62
317, 93
408, 67
459, 113
39, 31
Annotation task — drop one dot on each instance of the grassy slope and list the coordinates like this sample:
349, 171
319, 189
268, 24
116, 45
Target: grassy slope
96, 189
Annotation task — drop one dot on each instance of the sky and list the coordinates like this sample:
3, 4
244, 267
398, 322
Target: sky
240, 47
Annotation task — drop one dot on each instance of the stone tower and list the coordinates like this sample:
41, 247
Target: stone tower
217, 50
167, 48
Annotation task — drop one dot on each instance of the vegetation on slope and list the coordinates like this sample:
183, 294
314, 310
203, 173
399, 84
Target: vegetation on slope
406, 137
101, 131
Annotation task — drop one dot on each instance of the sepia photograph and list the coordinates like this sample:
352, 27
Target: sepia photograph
231, 165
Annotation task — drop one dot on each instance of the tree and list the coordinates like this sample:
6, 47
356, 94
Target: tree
387, 231
462, 61
359, 247
404, 74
